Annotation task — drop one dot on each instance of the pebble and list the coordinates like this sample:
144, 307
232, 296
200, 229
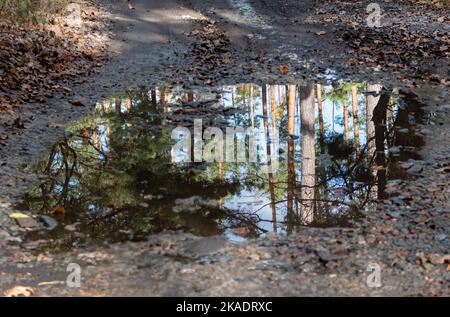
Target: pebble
49, 222
415, 169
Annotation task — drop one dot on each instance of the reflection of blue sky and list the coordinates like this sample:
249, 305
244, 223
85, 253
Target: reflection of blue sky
249, 201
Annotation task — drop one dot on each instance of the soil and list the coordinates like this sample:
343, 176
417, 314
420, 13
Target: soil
246, 41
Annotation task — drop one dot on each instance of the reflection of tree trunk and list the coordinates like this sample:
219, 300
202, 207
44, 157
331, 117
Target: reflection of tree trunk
320, 114
129, 103
220, 168
376, 104
252, 113
269, 157
85, 136
379, 118
346, 129
190, 96
308, 170
355, 117
164, 96
95, 139
154, 101
412, 108
332, 115
373, 96
292, 94
273, 104
322, 177
118, 106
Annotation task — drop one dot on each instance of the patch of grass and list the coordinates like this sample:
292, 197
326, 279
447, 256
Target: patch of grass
31, 10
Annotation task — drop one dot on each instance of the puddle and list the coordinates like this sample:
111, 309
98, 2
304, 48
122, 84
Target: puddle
118, 176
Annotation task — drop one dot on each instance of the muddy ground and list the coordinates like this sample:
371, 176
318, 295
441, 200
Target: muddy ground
247, 41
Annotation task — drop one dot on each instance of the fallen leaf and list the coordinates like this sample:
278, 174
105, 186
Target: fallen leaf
284, 70
71, 228
439, 258
19, 291
43, 258
18, 215
77, 103
57, 210
18, 123
241, 231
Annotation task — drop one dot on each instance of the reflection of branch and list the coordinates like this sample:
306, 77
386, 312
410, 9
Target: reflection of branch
69, 171
91, 143
246, 219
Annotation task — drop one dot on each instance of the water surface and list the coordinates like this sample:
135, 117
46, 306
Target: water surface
117, 177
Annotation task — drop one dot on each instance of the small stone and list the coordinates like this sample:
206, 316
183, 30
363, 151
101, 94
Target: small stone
440, 237
415, 169
394, 214
425, 131
407, 164
43, 258
394, 150
71, 228
27, 223
50, 223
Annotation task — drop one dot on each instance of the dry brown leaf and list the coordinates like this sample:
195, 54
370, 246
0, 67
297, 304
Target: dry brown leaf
77, 103
58, 211
241, 231
284, 70
19, 291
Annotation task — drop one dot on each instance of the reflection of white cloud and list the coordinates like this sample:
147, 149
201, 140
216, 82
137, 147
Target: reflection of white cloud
193, 204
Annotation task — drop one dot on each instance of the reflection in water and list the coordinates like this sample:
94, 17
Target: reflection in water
117, 177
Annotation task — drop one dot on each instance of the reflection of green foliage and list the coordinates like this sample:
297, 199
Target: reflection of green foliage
245, 92
342, 90
125, 157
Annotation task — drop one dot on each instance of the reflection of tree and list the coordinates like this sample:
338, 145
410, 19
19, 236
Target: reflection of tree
376, 105
372, 98
320, 115
308, 169
292, 101
268, 145
355, 117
